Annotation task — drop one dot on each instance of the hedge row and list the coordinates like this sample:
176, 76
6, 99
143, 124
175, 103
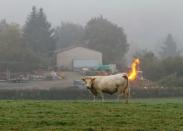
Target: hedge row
77, 94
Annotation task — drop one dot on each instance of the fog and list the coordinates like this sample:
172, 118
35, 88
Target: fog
146, 23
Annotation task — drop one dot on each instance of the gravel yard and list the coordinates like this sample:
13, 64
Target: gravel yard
43, 84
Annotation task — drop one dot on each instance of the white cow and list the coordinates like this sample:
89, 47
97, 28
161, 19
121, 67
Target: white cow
108, 84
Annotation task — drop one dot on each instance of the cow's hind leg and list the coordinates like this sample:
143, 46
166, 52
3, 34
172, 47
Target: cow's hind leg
123, 94
126, 101
118, 97
102, 96
127, 94
119, 94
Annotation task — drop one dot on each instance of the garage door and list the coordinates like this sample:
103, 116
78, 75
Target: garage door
85, 63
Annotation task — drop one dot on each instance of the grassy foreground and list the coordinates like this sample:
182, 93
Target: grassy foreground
148, 114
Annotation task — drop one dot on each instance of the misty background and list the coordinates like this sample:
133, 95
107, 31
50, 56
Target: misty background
33, 31
146, 23
118, 29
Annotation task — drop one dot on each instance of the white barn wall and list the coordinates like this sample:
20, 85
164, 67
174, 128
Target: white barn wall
65, 58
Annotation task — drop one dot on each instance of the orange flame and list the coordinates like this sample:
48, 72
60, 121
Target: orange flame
133, 73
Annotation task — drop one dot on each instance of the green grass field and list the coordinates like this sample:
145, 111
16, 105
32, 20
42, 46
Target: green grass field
139, 114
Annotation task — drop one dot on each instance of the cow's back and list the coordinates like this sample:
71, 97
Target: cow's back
110, 83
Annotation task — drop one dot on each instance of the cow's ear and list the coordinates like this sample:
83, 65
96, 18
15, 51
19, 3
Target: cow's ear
93, 79
83, 79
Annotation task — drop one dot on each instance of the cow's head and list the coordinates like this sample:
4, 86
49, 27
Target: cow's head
89, 81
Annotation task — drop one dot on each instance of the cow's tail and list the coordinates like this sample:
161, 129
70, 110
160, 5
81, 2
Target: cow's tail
126, 90
125, 76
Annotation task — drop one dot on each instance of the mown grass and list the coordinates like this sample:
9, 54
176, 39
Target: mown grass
141, 114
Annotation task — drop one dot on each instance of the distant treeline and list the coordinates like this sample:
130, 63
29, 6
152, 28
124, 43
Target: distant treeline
32, 46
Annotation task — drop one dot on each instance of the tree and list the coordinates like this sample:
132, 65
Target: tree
172, 65
164, 71
3, 25
68, 34
149, 64
171, 72
170, 48
108, 38
38, 34
13, 52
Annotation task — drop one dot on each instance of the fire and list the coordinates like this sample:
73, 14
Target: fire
133, 72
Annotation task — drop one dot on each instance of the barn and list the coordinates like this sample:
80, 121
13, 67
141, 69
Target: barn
78, 57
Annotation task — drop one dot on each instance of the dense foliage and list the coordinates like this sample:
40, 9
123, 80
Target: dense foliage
39, 36
169, 48
99, 34
167, 71
108, 38
69, 34
14, 54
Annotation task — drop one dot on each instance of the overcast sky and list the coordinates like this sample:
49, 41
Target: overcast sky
146, 22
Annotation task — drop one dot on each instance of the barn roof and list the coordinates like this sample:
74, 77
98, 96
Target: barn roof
72, 47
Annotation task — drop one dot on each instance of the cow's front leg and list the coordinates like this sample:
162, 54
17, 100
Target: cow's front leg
94, 98
102, 96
